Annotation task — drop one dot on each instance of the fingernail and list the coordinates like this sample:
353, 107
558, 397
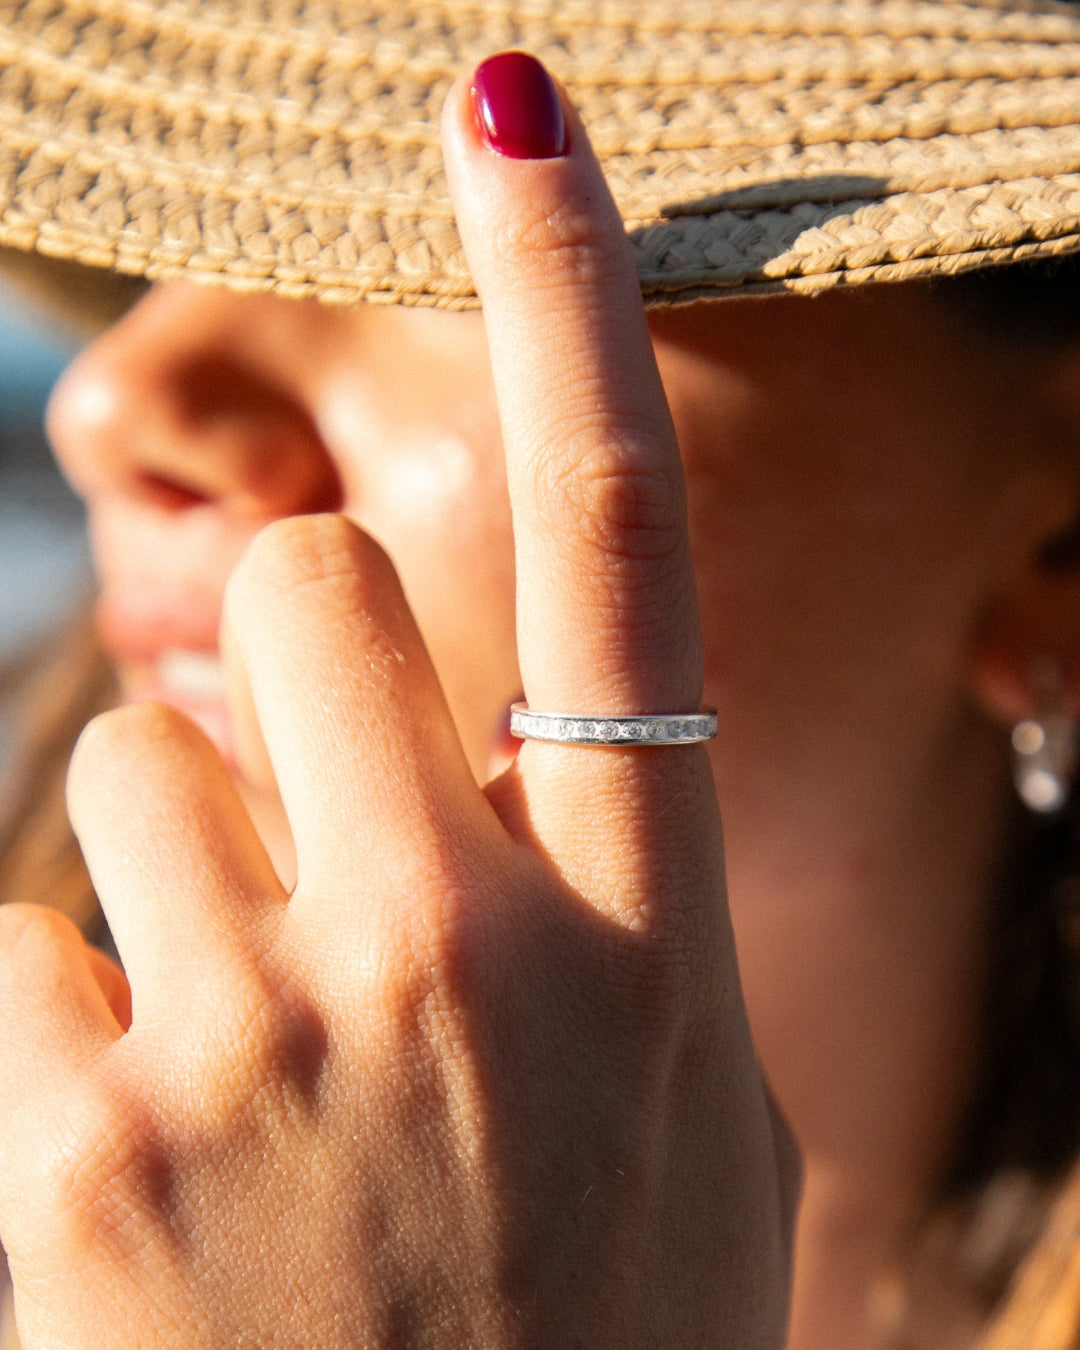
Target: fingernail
517, 107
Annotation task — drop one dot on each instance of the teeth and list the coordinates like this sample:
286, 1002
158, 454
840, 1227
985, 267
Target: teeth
192, 675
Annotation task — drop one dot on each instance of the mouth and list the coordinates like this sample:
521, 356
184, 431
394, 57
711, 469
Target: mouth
193, 682
196, 677
170, 655
167, 653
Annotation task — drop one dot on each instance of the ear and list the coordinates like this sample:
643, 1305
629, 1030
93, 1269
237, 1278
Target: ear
1027, 646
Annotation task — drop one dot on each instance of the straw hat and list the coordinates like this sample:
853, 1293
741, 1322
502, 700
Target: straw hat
752, 145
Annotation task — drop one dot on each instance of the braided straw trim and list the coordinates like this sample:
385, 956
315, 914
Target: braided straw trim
749, 145
411, 259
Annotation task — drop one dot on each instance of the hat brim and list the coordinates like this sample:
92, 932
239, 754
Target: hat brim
752, 147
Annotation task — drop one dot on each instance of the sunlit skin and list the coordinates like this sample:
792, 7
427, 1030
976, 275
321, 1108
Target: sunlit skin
869, 486
460, 1083
418, 1044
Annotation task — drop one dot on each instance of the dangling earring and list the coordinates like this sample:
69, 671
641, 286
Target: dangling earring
1044, 746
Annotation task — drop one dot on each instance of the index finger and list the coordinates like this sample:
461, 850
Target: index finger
607, 612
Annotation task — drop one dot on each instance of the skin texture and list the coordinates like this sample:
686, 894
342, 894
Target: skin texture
344, 1140
488, 1055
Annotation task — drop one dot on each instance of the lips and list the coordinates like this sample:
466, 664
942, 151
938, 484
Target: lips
170, 658
167, 652
191, 682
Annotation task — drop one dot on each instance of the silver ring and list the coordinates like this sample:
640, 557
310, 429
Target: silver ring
582, 729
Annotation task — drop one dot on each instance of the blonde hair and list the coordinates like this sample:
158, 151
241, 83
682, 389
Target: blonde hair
52, 692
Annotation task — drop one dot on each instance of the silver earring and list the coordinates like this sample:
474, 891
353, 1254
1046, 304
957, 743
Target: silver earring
1044, 746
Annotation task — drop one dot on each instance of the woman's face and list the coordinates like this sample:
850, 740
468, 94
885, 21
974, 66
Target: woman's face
853, 493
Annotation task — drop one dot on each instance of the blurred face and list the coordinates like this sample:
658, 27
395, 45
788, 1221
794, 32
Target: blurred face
853, 490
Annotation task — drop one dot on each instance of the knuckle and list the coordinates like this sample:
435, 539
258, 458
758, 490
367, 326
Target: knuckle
257, 1049
635, 513
426, 960
562, 240
108, 1171
629, 511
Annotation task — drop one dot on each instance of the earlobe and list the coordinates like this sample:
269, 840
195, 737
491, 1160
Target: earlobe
1027, 643
1026, 676
1026, 633
1026, 650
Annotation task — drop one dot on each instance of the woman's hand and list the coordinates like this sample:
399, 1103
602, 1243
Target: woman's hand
484, 1079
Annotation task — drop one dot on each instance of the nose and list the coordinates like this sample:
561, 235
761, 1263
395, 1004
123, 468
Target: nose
184, 403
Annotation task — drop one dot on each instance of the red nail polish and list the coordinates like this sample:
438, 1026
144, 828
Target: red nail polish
517, 107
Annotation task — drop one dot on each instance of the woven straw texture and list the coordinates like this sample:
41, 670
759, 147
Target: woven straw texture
751, 144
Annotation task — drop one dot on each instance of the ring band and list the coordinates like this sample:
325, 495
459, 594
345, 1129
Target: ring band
583, 729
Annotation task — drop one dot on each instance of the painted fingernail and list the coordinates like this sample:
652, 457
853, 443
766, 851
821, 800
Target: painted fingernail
517, 107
